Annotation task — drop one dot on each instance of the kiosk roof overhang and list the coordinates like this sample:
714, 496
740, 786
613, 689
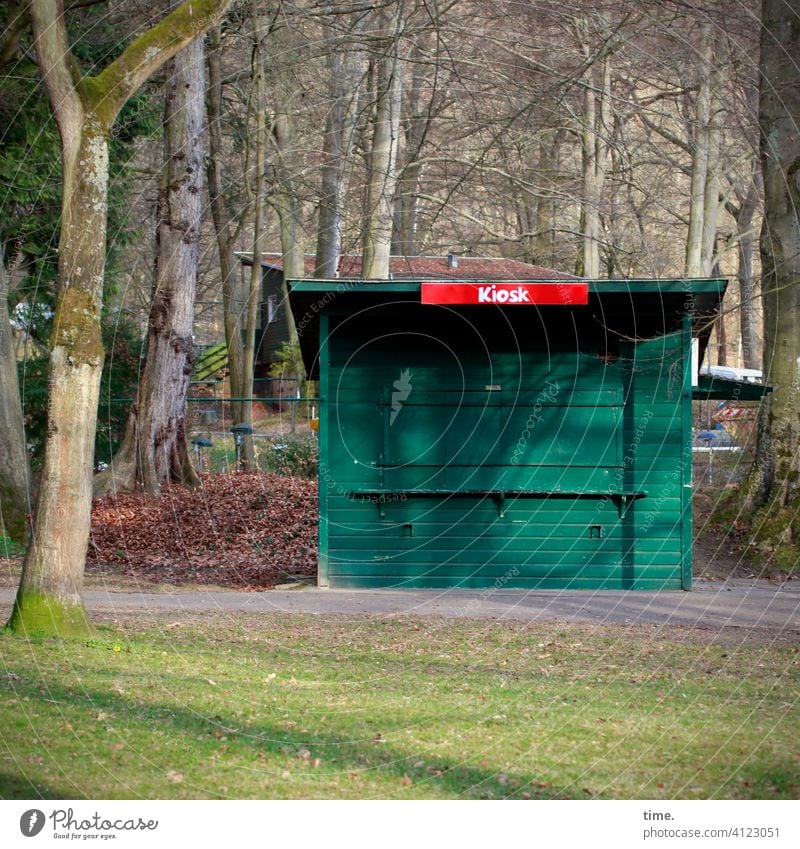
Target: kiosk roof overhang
663, 301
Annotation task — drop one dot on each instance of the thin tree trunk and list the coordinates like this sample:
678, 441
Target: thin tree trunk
382, 177
232, 303
288, 205
406, 238
255, 180
14, 474
700, 149
286, 201
596, 133
711, 202
346, 67
722, 340
751, 354
155, 450
545, 239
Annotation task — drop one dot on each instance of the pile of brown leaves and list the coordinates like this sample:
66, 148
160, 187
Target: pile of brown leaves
240, 530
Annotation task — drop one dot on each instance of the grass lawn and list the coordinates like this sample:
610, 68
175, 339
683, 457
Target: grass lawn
279, 706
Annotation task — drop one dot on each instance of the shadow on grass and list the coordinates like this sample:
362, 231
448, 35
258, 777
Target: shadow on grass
341, 757
21, 787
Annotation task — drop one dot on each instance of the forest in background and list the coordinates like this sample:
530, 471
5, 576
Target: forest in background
615, 139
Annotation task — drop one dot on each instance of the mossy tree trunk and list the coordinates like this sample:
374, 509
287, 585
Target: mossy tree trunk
14, 477
49, 598
155, 450
774, 485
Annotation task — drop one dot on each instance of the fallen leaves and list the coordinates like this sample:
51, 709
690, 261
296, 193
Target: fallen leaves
240, 530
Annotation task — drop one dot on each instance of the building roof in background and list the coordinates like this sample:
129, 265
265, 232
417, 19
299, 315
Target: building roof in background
435, 268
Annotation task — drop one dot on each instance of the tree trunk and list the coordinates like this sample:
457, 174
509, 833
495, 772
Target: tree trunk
711, 204
255, 181
747, 285
14, 474
546, 208
775, 481
287, 203
155, 450
346, 69
697, 202
49, 595
49, 598
288, 206
417, 123
595, 136
232, 302
382, 176
722, 340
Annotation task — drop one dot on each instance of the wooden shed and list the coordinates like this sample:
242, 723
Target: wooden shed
494, 432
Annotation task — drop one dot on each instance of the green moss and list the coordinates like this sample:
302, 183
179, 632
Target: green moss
772, 531
106, 93
76, 327
36, 614
776, 532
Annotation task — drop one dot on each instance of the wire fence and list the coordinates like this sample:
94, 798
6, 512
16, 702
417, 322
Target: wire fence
723, 444
283, 438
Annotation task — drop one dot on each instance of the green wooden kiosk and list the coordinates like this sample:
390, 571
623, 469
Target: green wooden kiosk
518, 434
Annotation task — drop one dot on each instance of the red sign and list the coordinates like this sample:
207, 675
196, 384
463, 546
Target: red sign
557, 293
